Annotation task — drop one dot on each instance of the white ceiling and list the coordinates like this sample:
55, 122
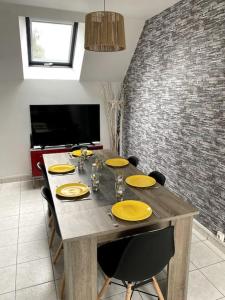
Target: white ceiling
131, 8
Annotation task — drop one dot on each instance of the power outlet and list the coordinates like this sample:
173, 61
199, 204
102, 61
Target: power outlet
220, 236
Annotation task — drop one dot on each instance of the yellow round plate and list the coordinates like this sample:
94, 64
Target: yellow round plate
131, 210
117, 162
141, 181
78, 153
60, 169
72, 190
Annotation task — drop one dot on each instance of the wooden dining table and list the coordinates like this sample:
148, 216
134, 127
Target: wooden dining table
85, 224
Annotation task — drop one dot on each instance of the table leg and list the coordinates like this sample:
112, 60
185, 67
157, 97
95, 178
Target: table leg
178, 269
80, 258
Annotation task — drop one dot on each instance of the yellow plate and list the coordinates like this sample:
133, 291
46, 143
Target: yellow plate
131, 210
117, 162
72, 190
59, 169
78, 153
141, 181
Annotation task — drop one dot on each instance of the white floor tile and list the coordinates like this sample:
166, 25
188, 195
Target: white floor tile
216, 274
8, 209
8, 237
203, 256
32, 219
200, 236
9, 223
44, 291
11, 188
31, 195
162, 275
113, 288
194, 238
7, 279
192, 267
31, 206
9, 200
8, 296
200, 288
148, 288
8, 256
34, 273
215, 249
33, 251
32, 233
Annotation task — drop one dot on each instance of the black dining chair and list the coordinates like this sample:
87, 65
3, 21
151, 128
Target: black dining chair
55, 228
43, 171
159, 177
76, 147
136, 260
46, 193
133, 160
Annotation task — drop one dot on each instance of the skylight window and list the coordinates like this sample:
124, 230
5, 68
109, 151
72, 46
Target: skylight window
50, 44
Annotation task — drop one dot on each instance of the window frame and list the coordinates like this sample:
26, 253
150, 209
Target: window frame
51, 64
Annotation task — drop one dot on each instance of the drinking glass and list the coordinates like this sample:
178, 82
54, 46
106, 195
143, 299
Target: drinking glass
84, 152
99, 161
95, 177
94, 169
95, 182
119, 187
81, 163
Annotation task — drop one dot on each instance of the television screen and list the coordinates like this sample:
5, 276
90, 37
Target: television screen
53, 125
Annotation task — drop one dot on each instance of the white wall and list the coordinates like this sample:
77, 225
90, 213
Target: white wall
17, 94
15, 98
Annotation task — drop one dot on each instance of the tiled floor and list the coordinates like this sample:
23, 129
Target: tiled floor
26, 271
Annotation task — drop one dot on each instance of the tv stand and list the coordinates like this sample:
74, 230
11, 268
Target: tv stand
36, 154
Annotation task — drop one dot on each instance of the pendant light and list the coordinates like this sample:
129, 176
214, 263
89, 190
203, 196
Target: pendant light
104, 31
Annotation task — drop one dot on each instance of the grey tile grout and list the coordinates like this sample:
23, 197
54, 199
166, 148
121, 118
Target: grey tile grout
32, 241
27, 261
213, 250
28, 287
212, 284
197, 268
54, 279
17, 243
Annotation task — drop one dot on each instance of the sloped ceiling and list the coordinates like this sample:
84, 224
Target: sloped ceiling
132, 8
96, 66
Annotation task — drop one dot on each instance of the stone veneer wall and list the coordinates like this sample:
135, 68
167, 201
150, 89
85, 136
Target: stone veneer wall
175, 104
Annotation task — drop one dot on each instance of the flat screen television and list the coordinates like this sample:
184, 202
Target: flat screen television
53, 125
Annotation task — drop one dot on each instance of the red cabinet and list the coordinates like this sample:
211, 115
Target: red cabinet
36, 156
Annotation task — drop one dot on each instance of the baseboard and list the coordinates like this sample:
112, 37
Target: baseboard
15, 178
208, 235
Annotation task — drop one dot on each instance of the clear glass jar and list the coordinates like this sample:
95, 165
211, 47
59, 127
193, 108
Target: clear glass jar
119, 187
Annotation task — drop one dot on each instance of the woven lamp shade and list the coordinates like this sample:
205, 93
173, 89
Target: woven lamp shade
104, 32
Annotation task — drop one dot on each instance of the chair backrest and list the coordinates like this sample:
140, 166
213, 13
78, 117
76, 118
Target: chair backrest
159, 177
46, 193
133, 160
76, 147
145, 255
42, 168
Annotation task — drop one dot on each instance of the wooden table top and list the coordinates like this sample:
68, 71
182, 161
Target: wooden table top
80, 219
